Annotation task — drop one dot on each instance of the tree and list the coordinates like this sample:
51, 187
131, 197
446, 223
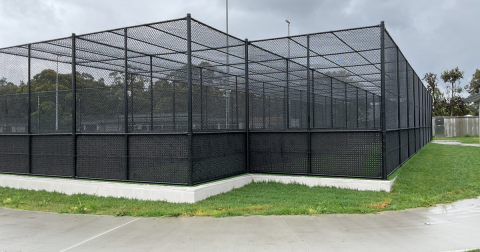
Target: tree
7, 87
453, 77
432, 88
474, 87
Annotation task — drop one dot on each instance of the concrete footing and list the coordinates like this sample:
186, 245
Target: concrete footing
179, 194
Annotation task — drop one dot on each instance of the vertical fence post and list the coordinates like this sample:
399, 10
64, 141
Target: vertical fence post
346, 107
74, 108
247, 112
309, 133
373, 106
358, 126
288, 96
331, 102
151, 94
174, 127
236, 100
313, 99
125, 100
414, 113
189, 99
398, 111
29, 112
263, 104
201, 98
408, 106
383, 100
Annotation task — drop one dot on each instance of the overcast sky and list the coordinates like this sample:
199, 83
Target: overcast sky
433, 35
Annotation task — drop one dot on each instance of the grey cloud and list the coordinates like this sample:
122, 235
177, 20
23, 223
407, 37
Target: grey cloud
433, 35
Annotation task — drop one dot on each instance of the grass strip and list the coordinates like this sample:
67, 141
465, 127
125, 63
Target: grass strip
436, 174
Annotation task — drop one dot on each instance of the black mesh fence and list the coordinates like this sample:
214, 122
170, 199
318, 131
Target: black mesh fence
180, 102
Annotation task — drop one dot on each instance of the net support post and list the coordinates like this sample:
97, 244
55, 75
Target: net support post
398, 110
383, 100
189, 100
74, 107
29, 112
125, 101
151, 94
247, 112
309, 133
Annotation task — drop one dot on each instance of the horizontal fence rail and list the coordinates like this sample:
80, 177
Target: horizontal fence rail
180, 102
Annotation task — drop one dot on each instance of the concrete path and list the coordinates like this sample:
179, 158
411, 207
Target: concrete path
453, 142
453, 227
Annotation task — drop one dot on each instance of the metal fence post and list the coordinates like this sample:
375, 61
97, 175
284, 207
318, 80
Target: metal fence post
125, 100
173, 106
189, 99
288, 96
74, 107
398, 111
408, 106
263, 104
236, 100
309, 134
331, 102
382, 104
346, 107
29, 112
313, 99
151, 94
358, 126
247, 112
201, 98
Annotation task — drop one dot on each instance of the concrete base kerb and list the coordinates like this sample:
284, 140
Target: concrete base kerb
179, 194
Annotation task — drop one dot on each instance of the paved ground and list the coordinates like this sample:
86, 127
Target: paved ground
453, 227
453, 142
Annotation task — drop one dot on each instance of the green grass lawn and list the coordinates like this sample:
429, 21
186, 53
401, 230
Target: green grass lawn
436, 174
465, 139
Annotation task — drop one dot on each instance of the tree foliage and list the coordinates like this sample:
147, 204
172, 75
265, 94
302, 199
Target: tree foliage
453, 77
474, 85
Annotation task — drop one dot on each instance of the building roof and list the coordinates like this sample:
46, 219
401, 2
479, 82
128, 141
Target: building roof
473, 98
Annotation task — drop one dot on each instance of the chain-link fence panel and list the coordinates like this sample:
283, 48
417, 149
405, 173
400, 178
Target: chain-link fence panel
14, 154
158, 158
353, 154
279, 153
13, 90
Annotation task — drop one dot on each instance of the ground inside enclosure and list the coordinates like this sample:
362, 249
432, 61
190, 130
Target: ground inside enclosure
451, 227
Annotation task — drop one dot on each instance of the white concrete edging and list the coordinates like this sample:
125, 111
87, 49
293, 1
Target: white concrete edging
179, 194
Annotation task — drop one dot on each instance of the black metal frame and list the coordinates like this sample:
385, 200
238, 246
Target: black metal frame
305, 77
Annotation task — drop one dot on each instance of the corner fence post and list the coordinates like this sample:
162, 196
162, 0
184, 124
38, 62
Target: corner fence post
309, 134
29, 129
74, 108
125, 101
398, 111
247, 112
382, 105
189, 98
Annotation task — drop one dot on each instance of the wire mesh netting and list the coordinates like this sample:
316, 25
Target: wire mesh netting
181, 102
